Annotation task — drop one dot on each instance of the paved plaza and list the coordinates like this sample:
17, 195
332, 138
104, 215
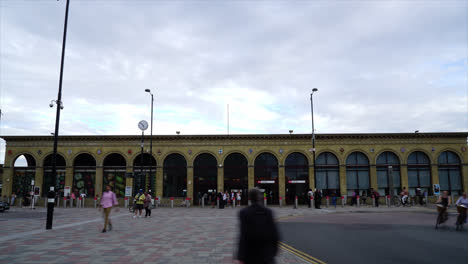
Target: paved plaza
178, 235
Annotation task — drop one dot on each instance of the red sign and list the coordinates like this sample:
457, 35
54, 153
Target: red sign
264, 198
281, 198
126, 198
311, 197
10, 152
157, 198
172, 198
357, 196
388, 196
95, 198
342, 197
79, 198
129, 151
326, 197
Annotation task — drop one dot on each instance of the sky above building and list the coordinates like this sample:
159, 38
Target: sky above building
384, 66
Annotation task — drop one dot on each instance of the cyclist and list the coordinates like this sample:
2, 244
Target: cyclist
463, 200
140, 200
404, 196
444, 200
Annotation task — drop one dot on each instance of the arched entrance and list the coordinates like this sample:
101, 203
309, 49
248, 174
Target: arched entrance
49, 179
388, 166
114, 174
24, 173
449, 172
297, 177
357, 173
141, 172
327, 174
175, 176
84, 177
419, 172
266, 176
205, 176
236, 175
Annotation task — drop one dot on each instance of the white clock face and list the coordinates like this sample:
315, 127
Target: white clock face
143, 125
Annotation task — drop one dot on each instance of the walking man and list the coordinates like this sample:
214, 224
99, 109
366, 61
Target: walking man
147, 204
107, 201
258, 240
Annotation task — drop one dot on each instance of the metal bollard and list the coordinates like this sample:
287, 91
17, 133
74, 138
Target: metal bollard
95, 202
249, 202
233, 203
387, 200
328, 201
64, 202
280, 201
187, 202
427, 202
311, 200
265, 202
156, 202
295, 202
84, 201
342, 201
217, 203
58, 202
126, 202
45, 202
373, 201
172, 202
203, 202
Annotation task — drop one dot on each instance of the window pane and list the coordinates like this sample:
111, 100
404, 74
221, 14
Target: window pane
333, 180
382, 178
412, 178
362, 159
351, 180
452, 158
425, 177
455, 180
443, 180
396, 178
363, 179
321, 181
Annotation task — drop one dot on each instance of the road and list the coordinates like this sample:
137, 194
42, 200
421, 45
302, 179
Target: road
376, 237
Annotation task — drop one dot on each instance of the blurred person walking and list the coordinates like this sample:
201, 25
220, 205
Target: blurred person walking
147, 204
258, 240
107, 201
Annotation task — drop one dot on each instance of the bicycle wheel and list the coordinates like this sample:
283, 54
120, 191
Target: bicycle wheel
459, 222
395, 201
438, 221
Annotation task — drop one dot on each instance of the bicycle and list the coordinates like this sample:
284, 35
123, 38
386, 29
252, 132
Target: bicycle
442, 216
131, 208
461, 217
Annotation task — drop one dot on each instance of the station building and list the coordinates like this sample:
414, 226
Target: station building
282, 165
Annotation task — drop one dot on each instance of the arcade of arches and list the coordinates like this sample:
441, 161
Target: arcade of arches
281, 166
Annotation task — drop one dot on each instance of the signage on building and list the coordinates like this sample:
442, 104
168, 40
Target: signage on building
66, 191
297, 181
436, 188
266, 182
128, 191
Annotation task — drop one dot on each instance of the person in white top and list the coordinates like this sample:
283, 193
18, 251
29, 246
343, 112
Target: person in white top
238, 198
463, 201
225, 197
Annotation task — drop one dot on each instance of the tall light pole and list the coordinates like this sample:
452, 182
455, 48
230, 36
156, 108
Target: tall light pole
313, 128
59, 107
151, 141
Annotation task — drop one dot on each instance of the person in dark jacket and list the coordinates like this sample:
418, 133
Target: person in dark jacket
318, 198
258, 240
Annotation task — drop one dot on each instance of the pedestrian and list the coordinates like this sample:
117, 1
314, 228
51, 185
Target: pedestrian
364, 197
147, 204
354, 197
13, 198
376, 197
333, 195
318, 198
73, 197
258, 240
310, 194
225, 198
238, 198
140, 201
221, 201
107, 201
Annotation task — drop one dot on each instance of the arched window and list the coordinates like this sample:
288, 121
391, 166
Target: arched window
266, 176
297, 177
84, 177
327, 173
175, 176
205, 176
141, 172
449, 172
357, 172
236, 174
388, 166
114, 174
25, 171
419, 172
49, 179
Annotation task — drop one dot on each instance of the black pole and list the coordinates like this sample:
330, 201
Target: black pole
313, 135
59, 106
151, 146
141, 161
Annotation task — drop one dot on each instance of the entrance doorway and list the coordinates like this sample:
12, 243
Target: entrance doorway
297, 178
266, 176
205, 177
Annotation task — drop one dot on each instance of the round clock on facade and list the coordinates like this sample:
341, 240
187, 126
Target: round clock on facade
143, 125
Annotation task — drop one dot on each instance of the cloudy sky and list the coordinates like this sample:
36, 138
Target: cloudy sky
383, 66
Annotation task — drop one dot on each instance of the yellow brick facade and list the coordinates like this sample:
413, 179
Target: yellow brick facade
250, 146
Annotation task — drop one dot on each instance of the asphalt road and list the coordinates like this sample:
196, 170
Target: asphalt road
391, 237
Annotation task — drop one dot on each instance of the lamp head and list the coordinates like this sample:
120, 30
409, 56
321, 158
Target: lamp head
51, 105
148, 90
291, 131
314, 90
177, 132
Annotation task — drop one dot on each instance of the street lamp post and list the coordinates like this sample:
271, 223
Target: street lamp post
313, 128
151, 140
143, 125
59, 107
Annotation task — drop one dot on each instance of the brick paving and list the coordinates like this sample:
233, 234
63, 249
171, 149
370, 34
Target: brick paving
178, 235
